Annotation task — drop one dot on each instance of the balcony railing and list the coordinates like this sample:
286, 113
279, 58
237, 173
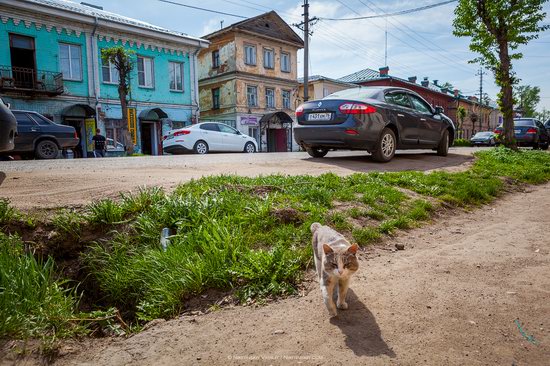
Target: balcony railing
29, 81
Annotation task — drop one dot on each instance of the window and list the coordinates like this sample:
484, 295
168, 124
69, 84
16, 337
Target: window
176, 76
325, 92
23, 119
252, 96
286, 99
250, 55
268, 58
285, 62
253, 132
215, 59
226, 129
420, 105
400, 99
269, 98
41, 120
109, 72
210, 127
216, 98
145, 72
70, 61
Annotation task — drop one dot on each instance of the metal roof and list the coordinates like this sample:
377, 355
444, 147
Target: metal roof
321, 77
361, 75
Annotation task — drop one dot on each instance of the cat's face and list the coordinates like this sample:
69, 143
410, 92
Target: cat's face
340, 264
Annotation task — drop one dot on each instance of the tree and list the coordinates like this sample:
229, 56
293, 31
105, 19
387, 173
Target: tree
497, 29
122, 59
543, 115
460, 116
447, 86
527, 97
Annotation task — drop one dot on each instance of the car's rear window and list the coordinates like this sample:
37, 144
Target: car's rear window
355, 93
524, 122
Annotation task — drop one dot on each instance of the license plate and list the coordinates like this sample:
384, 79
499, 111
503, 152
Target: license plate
517, 132
319, 116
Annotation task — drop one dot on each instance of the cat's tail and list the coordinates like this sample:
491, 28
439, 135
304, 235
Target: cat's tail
315, 226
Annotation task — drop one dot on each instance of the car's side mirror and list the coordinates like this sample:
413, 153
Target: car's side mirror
8, 105
439, 110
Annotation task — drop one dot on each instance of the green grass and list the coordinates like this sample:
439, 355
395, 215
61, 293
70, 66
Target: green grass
461, 142
8, 214
250, 235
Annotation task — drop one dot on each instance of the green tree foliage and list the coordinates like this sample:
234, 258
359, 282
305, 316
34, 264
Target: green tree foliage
448, 86
543, 115
496, 30
461, 115
123, 61
527, 97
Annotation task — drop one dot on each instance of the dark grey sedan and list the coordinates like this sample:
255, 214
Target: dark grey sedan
484, 138
376, 119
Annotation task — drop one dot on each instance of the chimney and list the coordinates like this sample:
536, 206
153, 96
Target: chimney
425, 82
412, 79
384, 71
456, 92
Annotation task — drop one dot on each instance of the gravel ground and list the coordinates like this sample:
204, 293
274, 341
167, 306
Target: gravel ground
54, 183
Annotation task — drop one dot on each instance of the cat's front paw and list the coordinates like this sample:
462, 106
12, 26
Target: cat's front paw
343, 305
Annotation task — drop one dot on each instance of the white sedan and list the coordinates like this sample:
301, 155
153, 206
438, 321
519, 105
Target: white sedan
207, 136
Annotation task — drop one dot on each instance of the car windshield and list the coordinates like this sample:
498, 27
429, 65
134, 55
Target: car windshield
524, 122
483, 134
355, 93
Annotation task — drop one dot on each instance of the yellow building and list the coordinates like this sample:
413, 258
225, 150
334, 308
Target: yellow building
320, 86
248, 79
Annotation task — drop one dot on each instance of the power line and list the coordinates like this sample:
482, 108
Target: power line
203, 9
402, 12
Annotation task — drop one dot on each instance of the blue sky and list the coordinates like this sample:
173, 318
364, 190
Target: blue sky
419, 44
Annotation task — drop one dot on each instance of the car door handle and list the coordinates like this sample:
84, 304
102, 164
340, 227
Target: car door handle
423, 119
34, 129
400, 115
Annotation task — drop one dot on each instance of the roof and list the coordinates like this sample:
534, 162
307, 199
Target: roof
361, 75
73, 7
321, 77
269, 24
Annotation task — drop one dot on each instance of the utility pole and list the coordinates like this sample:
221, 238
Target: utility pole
386, 46
480, 73
305, 27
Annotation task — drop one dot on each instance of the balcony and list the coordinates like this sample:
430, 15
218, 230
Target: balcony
20, 80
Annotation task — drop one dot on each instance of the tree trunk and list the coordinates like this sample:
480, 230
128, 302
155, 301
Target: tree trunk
506, 96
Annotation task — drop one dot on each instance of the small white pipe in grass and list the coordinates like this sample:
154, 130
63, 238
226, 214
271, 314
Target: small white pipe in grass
164, 241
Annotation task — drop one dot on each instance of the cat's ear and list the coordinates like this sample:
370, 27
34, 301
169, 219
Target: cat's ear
327, 249
353, 249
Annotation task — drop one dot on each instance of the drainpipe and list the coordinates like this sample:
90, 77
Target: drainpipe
195, 83
94, 69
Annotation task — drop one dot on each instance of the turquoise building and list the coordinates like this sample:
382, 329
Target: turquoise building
50, 62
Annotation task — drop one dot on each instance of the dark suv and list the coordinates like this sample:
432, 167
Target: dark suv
8, 127
529, 132
38, 136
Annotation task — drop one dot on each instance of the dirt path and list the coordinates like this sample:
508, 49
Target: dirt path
450, 298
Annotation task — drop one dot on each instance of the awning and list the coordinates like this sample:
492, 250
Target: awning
154, 114
78, 111
281, 117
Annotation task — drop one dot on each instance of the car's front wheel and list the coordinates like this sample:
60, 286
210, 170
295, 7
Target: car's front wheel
200, 147
544, 146
385, 147
249, 148
46, 149
443, 147
316, 152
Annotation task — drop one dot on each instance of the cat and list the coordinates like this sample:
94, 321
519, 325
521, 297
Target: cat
335, 262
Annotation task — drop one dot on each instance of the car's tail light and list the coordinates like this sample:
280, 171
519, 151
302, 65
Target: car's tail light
75, 135
300, 111
356, 108
350, 131
497, 131
182, 132
531, 131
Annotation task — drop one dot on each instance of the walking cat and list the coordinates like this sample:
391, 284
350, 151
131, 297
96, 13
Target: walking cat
335, 261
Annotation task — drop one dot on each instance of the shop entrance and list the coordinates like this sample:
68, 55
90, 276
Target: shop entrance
148, 138
276, 140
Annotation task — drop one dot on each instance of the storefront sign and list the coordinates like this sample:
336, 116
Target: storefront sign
132, 124
249, 120
89, 125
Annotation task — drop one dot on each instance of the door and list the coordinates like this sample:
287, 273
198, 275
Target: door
276, 140
23, 61
27, 132
78, 125
402, 113
232, 139
210, 133
146, 138
430, 126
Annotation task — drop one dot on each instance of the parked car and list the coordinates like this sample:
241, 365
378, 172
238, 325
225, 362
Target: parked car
8, 127
547, 126
39, 137
207, 136
529, 132
484, 138
376, 119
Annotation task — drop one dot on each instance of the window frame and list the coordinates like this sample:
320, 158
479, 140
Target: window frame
409, 106
266, 50
215, 96
25, 114
152, 86
70, 46
289, 62
289, 98
267, 105
413, 97
253, 62
255, 87
181, 67
112, 69
215, 59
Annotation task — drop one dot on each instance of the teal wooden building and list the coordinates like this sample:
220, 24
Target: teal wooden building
50, 63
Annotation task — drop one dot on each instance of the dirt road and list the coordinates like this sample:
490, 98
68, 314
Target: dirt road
450, 298
46, 184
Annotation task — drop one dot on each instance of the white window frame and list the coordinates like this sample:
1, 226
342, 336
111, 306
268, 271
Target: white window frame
251, 62
70, 47
152, 76
255, 95
287, 64
269, 97
286, 105
269, 62
112, 73
175, 65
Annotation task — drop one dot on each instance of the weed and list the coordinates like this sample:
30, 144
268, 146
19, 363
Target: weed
68, 222
105, 212
8, 214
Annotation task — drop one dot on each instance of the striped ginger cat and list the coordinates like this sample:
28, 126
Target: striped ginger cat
335, 261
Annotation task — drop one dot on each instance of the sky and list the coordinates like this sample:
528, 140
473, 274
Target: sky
419, 44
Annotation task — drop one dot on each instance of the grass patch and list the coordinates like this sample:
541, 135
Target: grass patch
227, 232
